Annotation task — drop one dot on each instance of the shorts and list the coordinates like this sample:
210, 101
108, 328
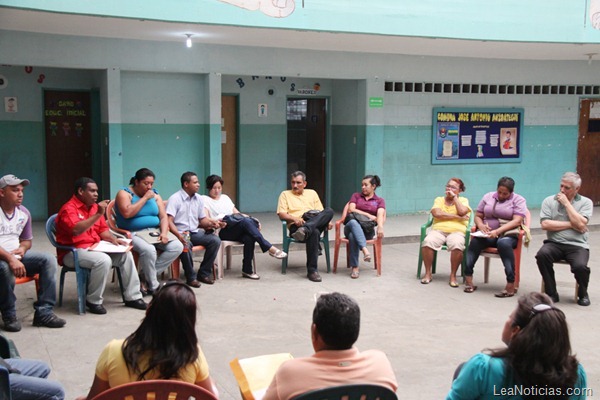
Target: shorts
436, 239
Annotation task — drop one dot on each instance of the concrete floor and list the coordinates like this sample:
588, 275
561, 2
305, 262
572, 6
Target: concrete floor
426, 330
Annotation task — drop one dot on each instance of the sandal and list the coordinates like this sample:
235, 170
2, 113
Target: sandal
279, 254
426, 281
354, 274
453, 284
367, 258
470, 289
504, 293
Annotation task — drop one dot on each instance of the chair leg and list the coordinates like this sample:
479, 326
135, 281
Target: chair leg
336, 253
284, 261
377, 249
327, 260
118, 271
62, 286
486, 269
82, 279
175, 266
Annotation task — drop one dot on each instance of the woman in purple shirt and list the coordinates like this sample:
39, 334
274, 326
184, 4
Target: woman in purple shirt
369, 204
503, 204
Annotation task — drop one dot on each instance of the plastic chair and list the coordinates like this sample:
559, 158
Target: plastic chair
564, 262
156, 390
111, 220
376, 242
8, 349
4, 384
350, 392
492, 252
25, 279
424, 228
226, 249
82, 274
287, 240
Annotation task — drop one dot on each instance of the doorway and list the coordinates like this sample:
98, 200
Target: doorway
588, 146
306, 139
68, 132
229, 136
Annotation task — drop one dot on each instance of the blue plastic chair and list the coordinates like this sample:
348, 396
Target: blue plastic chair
4, 384
287, 240
82, 274
350, 392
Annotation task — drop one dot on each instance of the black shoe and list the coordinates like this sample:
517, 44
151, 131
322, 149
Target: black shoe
49, 320
584, 301
554, 297
207, 280
314, 276
300, 234
12, 324
139, 304
95, 308
194, 283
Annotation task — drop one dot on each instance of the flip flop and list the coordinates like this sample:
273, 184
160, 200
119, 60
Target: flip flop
453, 284
503, 294
426, 281
470, 289
354, 274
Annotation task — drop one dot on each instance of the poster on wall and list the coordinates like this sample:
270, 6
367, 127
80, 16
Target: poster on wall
464, 135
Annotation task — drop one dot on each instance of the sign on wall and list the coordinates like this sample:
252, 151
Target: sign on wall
463, 135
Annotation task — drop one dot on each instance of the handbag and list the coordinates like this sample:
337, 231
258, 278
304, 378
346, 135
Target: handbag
234, 219
366, 223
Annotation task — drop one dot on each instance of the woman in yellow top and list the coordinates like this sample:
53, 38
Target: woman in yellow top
164, 346
450, 219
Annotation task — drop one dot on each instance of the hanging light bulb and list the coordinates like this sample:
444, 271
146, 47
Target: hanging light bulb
188, 41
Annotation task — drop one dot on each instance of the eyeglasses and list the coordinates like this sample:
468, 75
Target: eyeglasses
452, 187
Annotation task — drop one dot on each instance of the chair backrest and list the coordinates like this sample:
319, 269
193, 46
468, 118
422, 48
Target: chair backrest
350, 392
51, 230
8, 348
156, 390
111, 220
4, 384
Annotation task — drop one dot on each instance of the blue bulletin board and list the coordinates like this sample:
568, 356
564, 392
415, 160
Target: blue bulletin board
480, 135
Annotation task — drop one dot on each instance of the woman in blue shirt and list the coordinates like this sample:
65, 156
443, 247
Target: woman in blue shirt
139, 207
537, 362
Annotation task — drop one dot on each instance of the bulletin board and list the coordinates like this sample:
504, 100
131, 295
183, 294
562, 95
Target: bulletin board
477, 135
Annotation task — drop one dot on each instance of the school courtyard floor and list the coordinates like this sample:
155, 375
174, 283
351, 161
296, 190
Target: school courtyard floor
425, 330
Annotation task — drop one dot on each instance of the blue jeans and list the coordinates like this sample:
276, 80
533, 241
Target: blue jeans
505, 246
31, 382
246, 232
211, 243
35, 263
356, 238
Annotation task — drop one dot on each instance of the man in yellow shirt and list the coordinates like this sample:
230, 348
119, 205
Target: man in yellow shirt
291, 207
450, 219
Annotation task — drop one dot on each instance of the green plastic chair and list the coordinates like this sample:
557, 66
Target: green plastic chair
424, 229
287, 240
350, 392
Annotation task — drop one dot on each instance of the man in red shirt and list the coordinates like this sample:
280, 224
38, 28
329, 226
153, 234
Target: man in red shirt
80, 223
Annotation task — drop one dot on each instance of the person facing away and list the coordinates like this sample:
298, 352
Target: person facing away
495, 207
185, 210
370, 205
450, 219
17, 260
80, 223
292, 206
334, 330
564, 217
537, 358
139, 207
164, 346
245, 230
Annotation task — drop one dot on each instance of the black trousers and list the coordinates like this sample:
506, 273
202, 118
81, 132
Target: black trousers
314, 227
576, 256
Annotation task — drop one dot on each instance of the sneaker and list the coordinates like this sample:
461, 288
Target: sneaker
253, 275
11, 324
95, 308
49, 320
300, 234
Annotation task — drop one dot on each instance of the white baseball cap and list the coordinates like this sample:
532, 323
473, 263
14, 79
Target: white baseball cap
11, 180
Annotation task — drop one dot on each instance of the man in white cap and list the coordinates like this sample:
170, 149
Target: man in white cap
17, 260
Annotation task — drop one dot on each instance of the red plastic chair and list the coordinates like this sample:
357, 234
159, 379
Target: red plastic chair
156, 390
376, 242
492, 252
26, 279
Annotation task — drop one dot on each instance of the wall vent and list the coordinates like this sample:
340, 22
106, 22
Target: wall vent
477, 88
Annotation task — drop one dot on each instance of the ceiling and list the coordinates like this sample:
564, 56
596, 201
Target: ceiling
79, 25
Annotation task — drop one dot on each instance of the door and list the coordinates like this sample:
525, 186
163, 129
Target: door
306, 134
588, 147
68, 132
229, 146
